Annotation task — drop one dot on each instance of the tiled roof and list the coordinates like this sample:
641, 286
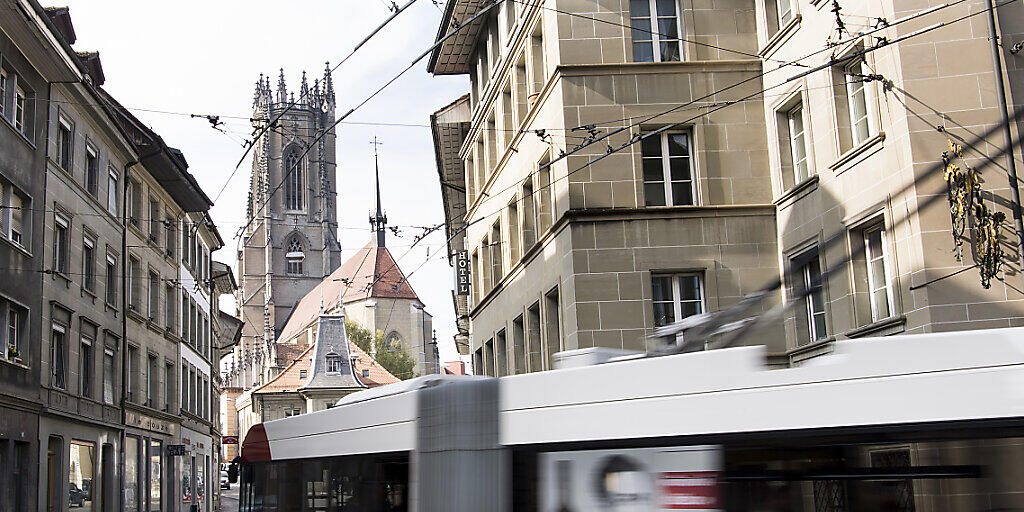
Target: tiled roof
370, 272
289, 379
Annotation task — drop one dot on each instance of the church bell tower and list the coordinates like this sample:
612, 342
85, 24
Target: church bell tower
291, 241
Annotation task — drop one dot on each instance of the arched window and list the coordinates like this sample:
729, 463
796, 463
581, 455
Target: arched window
294, 256
294, 179
333, 363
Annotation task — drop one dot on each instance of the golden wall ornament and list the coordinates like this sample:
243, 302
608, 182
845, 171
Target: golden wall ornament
963, 191
988, 253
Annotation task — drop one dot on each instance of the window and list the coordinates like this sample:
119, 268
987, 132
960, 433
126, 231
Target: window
294, 172
184, 387
513, 231
14, 329
495, 254
92, 171
170, 237
152, 381
295, 256
333, 363
3, 92
668, 169
14, 220
108, 376
81, 468
134, 202
89, 264
538, 69
65, 146
134, 286
112, 191
168, 385
155, 221
876, 272
111, 280
797, 147
529, 216
808, 280
857, 98
552, 324
292, 412
20, 104
86, 359
133, 364
184, 315
655, 31
154, 296
785, 11
302, 374
545, 195
58, 349
170, 311
61, 238
676, 296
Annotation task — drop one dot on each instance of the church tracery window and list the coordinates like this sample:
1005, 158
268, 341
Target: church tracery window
294, 256
294, 180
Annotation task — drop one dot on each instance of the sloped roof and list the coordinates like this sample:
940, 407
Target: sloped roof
370, 273
290, 380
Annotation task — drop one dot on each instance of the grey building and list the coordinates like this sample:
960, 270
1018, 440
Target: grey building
290, 242
28, 63
766, 171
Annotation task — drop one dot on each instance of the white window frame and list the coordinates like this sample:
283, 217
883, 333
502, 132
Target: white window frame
785, 15
58, 328
857, 86
89, 267
61, 252
3, 93
807, 280
886, 278
113, 178
90, 343
94, 155
332, 358
794, 116
666, 167
109, 375
20, 105
654, 34
65, 160
677, 300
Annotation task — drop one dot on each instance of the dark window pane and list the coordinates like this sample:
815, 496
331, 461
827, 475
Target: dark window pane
680, 169
665, 7
678, 144
663, 313
682, 193
661, 288
639, 8
653, 170
691, 308
643, 52
689, 288
651, 146
654, 194
667, 28
670, 51
641, 29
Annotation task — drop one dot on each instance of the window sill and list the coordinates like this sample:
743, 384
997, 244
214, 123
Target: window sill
60, 275
24, 138
871, 145
110, 307
14, 363
18, 247
134, 315
784, 33
808, 185
884, 327
91, 294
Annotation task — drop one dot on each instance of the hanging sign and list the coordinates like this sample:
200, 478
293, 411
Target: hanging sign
462, 273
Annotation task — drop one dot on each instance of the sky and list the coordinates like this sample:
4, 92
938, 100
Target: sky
168, 60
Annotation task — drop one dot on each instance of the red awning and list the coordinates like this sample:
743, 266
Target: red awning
255, 447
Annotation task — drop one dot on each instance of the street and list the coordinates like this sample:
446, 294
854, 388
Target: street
229, 499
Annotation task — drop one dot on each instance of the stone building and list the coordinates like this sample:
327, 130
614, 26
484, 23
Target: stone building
566, 255
760, 167
290, 242
28, 62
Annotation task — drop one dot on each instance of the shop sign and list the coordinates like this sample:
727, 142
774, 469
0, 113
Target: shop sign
134, 419
229, 440
175, 450
462, 273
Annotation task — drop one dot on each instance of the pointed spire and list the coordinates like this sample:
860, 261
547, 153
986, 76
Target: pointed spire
258, 93
282, 90
304, 90
378, 222
328, 85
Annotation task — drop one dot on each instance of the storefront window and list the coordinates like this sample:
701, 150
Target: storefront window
201, 480
155, 451
131, 473
81, 467
186, 479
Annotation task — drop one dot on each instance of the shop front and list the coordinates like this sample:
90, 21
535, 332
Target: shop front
147, 459
195, 468
78, 470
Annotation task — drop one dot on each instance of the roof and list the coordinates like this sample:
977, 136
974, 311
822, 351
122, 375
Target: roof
289, 379
354, 280
332, 342
449, 127
452, 57
60, 17
454, 368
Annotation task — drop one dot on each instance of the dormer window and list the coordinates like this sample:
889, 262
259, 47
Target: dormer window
295, 256
333, 363
302, 374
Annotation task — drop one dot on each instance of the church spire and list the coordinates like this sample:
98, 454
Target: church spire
378, 222
304, 90
328, 85
282, 89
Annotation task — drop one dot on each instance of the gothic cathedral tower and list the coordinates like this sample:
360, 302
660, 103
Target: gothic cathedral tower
291, 241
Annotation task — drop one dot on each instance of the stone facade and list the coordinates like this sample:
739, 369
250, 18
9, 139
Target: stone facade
290, 243
596, 250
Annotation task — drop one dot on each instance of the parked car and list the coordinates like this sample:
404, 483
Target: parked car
224, 483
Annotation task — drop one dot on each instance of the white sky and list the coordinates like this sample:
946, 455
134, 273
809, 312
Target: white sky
205, 57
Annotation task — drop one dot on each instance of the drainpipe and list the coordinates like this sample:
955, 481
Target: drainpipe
1007, 132
124, 310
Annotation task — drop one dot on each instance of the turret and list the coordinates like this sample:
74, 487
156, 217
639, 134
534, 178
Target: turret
328, 87
304, 96
282, 89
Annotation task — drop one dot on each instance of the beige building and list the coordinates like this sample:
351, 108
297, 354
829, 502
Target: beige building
738, 186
